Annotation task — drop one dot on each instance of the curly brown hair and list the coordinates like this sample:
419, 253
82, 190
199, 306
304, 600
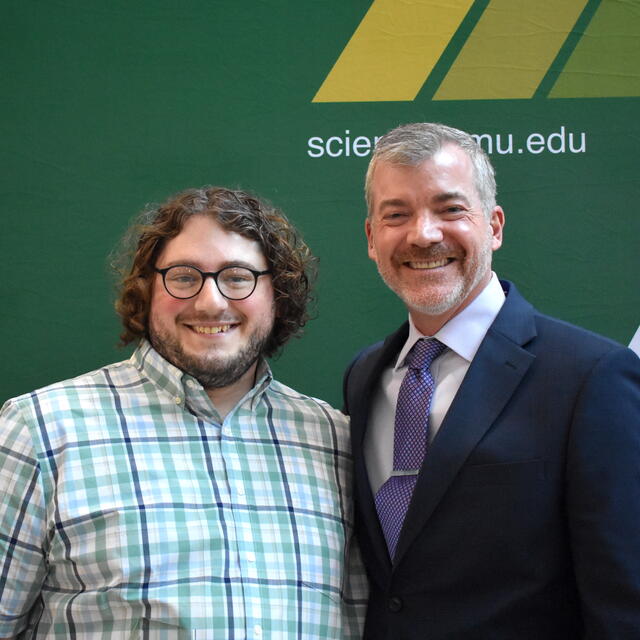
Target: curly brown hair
290, 261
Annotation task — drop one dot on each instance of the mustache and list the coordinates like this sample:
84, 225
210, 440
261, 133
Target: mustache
429, 254
206, 317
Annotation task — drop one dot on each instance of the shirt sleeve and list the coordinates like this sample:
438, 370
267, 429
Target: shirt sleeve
355, 592
355, 587
22, 523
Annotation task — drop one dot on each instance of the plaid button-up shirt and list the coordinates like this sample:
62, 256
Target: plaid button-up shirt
129, 509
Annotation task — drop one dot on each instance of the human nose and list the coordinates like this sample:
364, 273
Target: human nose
425, 230
210, 298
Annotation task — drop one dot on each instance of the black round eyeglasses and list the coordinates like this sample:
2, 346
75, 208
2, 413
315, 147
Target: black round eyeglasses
185, 281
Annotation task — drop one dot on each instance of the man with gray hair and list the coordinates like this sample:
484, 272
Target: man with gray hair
497, 450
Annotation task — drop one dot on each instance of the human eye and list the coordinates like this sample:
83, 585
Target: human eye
183, 277
395, 217
237, 277
453, 210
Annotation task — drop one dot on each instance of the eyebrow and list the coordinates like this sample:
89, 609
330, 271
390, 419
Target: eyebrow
439, 198
451, 195
393, 202
224, 265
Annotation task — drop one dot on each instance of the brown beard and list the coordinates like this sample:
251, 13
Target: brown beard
214, 372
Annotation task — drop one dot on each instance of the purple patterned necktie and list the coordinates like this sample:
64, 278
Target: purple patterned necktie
409, 440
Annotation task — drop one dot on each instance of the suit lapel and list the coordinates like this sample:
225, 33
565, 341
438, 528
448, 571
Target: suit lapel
492, 378
361, 386
359, 392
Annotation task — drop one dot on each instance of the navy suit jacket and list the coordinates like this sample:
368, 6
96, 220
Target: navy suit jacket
525, 520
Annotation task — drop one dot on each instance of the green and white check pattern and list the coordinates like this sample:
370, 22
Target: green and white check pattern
128, 510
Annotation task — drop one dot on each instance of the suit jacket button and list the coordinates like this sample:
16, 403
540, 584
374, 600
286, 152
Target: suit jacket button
395, 604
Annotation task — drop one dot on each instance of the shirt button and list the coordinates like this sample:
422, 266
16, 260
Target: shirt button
395, 604
257, 631
178, 400
240, 490
191, 384
251, 557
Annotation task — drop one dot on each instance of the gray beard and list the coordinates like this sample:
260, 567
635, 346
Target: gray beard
213, 372
454, 298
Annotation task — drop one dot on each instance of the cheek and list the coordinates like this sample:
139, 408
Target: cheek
383, 245
469, 236
261, 308
164, 309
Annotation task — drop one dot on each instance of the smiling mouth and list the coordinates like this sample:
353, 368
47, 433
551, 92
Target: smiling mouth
430, 264
223, 328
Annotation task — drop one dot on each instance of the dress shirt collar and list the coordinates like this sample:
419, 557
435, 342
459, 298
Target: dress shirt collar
185, 389
465, 331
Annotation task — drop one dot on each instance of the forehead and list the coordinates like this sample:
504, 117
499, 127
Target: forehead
205, 243
449, 170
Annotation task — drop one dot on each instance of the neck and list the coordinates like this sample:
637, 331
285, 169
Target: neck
226, 398
429, 325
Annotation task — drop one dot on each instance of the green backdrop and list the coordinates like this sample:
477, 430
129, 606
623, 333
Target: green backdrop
107, 106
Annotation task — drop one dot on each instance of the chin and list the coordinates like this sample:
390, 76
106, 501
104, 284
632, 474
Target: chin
434, 304
430, 309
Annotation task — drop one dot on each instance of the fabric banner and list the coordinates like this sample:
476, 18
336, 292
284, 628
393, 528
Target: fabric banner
109, 106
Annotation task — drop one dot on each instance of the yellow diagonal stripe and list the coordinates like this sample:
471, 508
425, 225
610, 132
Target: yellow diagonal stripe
510, 50
393, 50
606, 61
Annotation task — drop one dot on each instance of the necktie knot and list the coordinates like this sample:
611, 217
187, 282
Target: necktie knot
423, 353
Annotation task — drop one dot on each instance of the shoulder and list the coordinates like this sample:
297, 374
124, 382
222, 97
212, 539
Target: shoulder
116, 374
308, 405
362, 363
573, 363
575, 345
364, 370
306, 420
368, 352
379, 353
552, 339
57, 408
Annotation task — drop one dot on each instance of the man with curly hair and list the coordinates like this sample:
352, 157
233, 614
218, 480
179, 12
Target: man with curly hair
184, 493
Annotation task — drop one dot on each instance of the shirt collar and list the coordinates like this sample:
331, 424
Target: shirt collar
184, 389
465, 331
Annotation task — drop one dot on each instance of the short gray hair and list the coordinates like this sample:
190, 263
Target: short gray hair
412, 144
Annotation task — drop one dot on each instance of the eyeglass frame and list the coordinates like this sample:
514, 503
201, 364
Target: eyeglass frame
211, 274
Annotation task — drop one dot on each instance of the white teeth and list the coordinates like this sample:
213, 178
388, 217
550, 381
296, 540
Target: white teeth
220, 329
428, 265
